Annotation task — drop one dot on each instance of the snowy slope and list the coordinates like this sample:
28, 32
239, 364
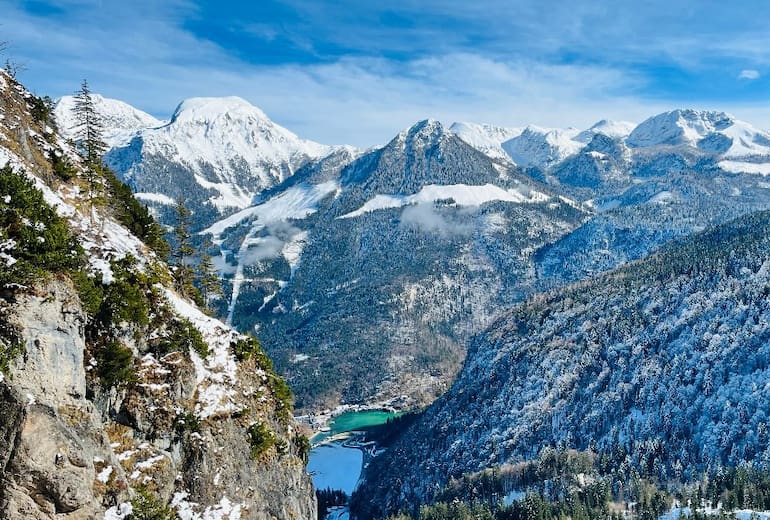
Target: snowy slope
359, 268
629, 355
121, 120
485, 138
218, 130
542, 147
457, 194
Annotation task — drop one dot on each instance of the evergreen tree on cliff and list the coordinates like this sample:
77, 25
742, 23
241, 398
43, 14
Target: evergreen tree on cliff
89, 130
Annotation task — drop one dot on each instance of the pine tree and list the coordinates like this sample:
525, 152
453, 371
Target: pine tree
89, 129
207, 278
183, 273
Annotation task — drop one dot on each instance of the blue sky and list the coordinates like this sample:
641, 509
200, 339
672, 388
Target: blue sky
357, 71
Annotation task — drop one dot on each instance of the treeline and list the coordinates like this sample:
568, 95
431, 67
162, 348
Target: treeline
743, 487
556, 487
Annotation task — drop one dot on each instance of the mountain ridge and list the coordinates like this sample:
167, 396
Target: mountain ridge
429, 190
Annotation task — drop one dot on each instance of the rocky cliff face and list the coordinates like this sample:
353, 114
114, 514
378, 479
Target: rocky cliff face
54, 440
122, 396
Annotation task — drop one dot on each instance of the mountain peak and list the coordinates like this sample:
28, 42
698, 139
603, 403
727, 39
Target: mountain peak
542, 147
230, 150
612, 129
425, 127
484, 137
421, 133
680, 126
206, 109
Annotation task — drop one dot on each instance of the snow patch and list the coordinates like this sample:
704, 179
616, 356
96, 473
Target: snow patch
224, 510
745, 167
104, 475
458, 194
216, 375
119, 512
155, 197
294, 203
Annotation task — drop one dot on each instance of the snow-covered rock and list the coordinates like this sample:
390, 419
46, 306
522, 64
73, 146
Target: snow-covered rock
62, 450
612, 129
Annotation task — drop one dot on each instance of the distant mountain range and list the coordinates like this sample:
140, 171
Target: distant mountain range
367, 272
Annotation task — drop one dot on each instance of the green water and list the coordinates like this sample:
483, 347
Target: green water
350, 421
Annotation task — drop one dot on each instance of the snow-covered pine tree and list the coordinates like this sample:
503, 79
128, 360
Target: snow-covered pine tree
89, 130
183, 272
206, 277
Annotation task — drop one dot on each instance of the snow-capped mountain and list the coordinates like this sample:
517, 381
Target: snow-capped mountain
741, 147
331, 251
738, 146
215, 153
121, 120
486, 138
386, 241
712, 132
220, 131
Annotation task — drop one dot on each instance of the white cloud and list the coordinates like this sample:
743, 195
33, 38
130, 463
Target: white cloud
146, 57
749, 74
263, 249
154, 63
426, 218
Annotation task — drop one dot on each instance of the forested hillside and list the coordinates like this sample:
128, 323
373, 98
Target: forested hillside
659, 368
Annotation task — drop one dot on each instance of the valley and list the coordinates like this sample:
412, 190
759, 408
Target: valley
340, 452
578, 317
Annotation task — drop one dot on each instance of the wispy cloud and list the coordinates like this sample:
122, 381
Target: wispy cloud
749, 74
427, 218
358, 73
